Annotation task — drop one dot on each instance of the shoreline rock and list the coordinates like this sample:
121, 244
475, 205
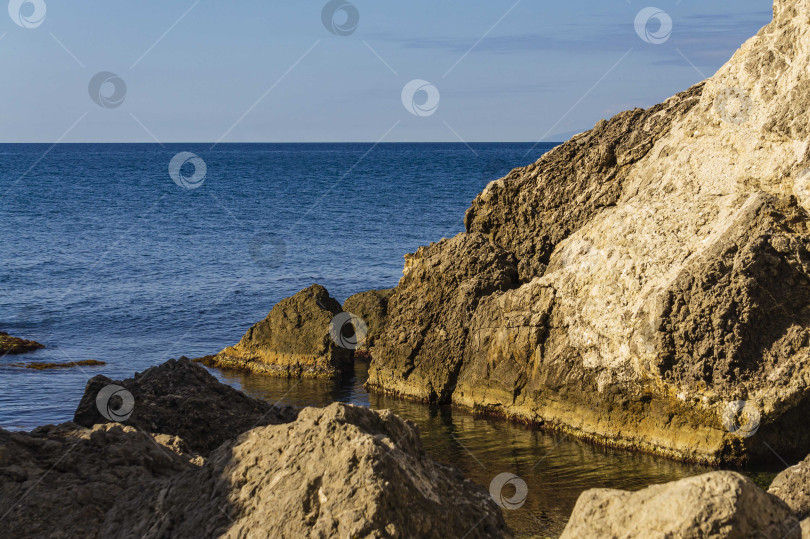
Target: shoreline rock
341, 470
717, 504
179, 398
14, 345
372, 308
655, 275
294, 340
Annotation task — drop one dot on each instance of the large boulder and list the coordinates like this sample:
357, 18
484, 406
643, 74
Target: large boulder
340, 471
419, 352
294, 340
715, 505
664, 274
372, 309
178, 398
793, 486
60, 481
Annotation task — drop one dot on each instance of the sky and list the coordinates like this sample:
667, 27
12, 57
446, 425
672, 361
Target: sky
340, 71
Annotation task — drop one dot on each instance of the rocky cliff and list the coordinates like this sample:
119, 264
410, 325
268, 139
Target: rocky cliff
641, 284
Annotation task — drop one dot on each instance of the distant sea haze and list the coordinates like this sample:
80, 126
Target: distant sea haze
122, 253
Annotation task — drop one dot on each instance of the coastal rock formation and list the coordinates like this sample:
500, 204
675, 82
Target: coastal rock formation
294, 340
718, 505
340, 471
372, 308
419, 351
182, 399
60, 481
793, 486
663, 275
15, 345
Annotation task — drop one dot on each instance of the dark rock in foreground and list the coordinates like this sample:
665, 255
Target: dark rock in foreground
715, 505
340, 471
182, 399
60, 481
15, 345
294, 340
793, 486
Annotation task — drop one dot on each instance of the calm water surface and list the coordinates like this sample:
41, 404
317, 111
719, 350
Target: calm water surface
103, 257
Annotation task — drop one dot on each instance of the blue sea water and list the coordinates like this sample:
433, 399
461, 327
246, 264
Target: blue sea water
103, 256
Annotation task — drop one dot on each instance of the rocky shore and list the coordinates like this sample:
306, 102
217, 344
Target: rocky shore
172, 452
646, 284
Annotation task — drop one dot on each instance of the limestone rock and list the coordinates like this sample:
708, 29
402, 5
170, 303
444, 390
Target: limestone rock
714, 505
419, 351
340, 471
60, 481
372, 308
294, 340
793, 486
182, 399
664, 274
15, 345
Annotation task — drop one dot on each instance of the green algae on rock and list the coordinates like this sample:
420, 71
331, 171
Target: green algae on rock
292, 341
662, 265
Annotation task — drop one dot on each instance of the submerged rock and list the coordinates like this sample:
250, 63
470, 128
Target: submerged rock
372, 308
717, 505
294, 340
182, 399
662, 266
340, 471
15, 345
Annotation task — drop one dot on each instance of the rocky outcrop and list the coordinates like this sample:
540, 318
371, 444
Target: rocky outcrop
181, 399
338, 471
663, 263
341, 471
716, 505
372, 309
15, 345
60, 481
293, 341
793, 486
419, 351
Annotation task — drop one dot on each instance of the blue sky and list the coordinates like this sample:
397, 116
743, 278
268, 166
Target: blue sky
270, 71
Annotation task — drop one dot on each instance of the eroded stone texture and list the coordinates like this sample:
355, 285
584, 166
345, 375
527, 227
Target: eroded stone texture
717, 505
294, 340
339, 471
182, 399
420, 350
793, 486
664, 272
372, 308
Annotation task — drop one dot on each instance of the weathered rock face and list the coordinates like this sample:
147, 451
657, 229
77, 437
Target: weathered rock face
182, 399
530, 211
664, 265
419, 352
341, 471
372, 308
15, 345
60, 481
294, 340
793, 486
715, 505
